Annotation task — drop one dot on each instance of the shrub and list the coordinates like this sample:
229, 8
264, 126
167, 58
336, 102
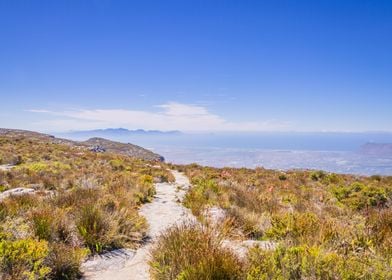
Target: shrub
64, 262
94, 227
16, 160
23, 259
19, 204
358, 196
128, 228
324, 222
42, 221
282, 177
317, 175
94, 201
117, 164
252, 224
192, 252
303, 262
296, 227
146, 189
203, 193
36, 167
52, 225
380, 223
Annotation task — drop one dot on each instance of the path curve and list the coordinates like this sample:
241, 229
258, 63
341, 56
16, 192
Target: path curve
163, 212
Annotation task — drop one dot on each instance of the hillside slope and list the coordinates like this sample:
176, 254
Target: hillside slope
62, 201
93, 144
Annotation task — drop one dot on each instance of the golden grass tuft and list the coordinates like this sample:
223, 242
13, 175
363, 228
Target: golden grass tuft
193, 252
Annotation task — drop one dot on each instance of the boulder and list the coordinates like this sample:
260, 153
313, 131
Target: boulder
16, 191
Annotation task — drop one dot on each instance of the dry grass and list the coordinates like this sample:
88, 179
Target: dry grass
320, 220
193, 252
84, 203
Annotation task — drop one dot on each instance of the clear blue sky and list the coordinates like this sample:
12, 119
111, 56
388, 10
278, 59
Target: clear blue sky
322, 65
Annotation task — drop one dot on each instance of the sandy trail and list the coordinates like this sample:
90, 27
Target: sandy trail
163, 212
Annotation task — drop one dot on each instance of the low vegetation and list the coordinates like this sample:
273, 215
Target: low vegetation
326, 226
193, 252
83, 203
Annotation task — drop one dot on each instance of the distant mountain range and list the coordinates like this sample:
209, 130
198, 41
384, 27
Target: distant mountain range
110, 132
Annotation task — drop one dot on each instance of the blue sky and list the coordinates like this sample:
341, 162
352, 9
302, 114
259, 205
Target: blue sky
196, 65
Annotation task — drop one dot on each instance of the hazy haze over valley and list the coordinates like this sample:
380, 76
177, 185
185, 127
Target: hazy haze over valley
334, 152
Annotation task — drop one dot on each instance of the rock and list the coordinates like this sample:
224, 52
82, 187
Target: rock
122, 148
6, 167
16, 191
265, 245
115, 259
241, 248
214, 215
97, 149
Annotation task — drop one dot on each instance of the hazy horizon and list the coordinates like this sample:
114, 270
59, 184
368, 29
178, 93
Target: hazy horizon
333, 152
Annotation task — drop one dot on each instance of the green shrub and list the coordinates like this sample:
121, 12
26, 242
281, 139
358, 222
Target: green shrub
358, 196
296, 227
117, 164
317, 175
42, 222
36, 167
146, 189
303, 262
282, 177
377, 178
52, 224
203, 193
333, 178
94, 227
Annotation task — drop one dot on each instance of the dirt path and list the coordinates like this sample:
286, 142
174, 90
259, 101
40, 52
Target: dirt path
163, 212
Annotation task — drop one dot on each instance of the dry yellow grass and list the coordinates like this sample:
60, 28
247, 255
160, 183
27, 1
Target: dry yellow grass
84, 203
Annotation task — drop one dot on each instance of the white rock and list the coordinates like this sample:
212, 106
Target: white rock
16, 191
215, 215
241, 248
6, 167
115, 259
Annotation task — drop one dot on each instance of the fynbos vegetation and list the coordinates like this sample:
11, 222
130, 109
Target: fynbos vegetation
326, 226
79, 203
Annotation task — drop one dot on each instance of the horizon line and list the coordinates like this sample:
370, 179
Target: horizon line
210, 131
